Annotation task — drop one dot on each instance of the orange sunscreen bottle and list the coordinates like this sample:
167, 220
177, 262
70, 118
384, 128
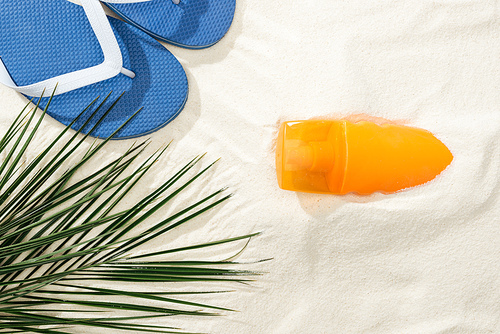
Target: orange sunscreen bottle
339, 157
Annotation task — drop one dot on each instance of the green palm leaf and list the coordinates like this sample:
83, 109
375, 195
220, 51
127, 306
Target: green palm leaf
60, 235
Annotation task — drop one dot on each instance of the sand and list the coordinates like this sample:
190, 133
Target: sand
425, 260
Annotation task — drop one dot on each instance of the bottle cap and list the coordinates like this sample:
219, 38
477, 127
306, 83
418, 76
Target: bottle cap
304, 156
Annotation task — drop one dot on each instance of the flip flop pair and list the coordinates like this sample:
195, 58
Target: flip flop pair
81, 54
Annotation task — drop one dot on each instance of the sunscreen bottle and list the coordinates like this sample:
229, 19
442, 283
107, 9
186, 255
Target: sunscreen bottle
339, 157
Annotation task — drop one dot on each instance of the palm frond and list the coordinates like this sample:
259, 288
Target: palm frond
59, 234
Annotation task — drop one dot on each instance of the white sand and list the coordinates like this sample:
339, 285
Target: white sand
422, 261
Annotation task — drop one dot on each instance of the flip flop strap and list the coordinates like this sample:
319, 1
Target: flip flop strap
110, 67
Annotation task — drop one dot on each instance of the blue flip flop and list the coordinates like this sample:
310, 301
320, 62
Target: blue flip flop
47, 44
192, 24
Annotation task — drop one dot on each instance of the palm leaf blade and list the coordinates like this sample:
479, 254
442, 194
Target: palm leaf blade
55, 230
